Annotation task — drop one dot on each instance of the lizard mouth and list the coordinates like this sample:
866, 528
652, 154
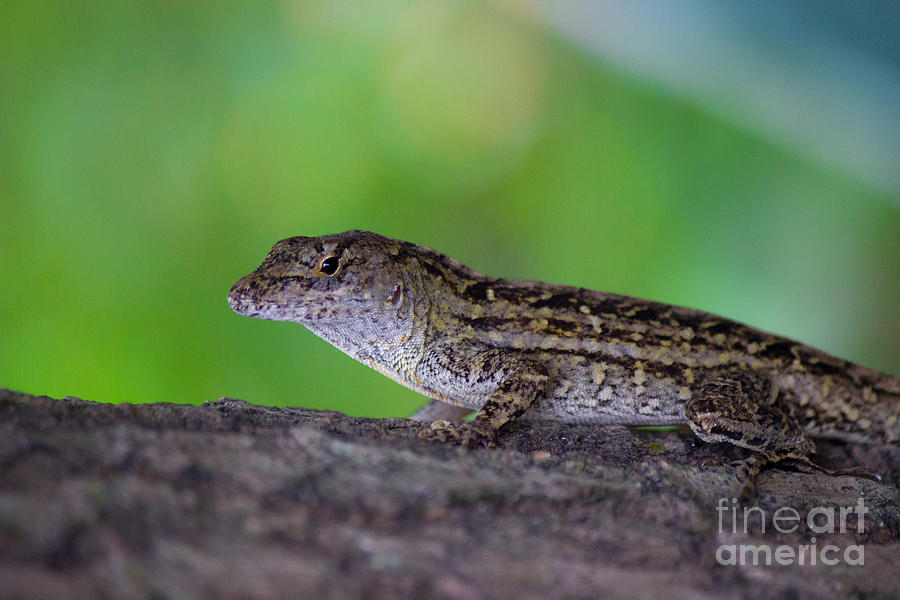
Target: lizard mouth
241, 303
255, 308
246, 298
266, 298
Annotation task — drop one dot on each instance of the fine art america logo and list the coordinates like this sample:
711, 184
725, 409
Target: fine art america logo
819, 520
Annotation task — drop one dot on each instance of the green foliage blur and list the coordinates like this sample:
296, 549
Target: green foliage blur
150, 154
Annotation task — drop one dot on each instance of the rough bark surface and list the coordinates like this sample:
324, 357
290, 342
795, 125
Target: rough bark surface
234, 500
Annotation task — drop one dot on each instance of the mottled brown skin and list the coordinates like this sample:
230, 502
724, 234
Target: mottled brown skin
509, 348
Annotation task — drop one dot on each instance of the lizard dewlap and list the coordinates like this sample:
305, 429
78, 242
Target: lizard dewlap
509, 349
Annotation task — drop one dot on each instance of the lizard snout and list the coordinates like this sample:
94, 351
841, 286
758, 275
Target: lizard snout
240, 295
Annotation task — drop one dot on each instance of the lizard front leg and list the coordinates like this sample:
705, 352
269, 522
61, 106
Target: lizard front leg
741, 408
469, 370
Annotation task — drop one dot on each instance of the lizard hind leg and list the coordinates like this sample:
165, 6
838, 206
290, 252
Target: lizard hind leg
740, 408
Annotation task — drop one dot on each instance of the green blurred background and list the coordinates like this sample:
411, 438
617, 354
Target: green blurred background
151, 154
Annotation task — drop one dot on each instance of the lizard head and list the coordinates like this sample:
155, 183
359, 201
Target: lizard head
342, 280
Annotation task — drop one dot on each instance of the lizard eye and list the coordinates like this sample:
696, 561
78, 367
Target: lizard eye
329, 266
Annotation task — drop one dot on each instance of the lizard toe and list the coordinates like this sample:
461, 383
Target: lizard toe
463, 434
472, 437
443, 431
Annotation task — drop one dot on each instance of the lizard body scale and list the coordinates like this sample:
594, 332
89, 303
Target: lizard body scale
511, 348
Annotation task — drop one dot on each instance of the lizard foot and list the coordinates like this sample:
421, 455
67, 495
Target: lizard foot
746, 475
463, 434
805, 465
749, 469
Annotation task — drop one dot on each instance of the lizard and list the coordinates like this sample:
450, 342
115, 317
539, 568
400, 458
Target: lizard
513, 348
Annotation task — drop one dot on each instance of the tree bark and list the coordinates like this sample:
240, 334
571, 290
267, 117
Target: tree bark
234, 500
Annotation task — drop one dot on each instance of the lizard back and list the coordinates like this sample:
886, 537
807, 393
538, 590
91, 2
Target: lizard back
618, 359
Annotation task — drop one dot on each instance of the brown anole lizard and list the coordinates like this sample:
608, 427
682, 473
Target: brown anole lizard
509, 349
